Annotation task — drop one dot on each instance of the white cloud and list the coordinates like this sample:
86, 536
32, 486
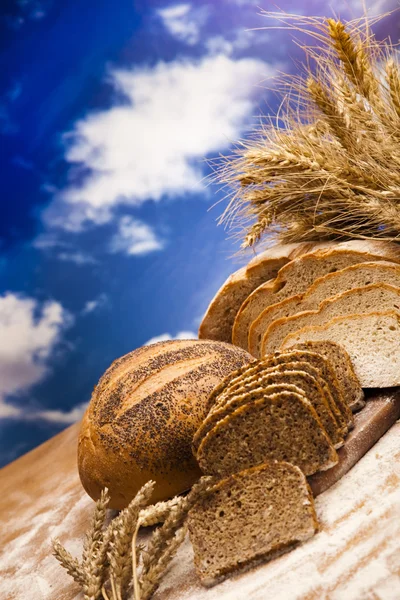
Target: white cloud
79, 258
184, 22
29, 333
135, 238
96, 304
153, 145
182, 335
59, 416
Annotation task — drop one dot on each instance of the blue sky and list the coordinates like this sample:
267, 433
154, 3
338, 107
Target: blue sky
106, 237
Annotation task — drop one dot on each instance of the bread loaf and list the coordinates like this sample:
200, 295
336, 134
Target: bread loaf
142, 416
326, 287
253, 515
218, 321
295, 277
357, 300
372, 341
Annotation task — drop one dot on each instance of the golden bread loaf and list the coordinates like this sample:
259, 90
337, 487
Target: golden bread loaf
143, 414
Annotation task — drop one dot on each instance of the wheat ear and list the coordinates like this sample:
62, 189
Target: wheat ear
93, 556
165, 540
124, 526
69, 562
157, 513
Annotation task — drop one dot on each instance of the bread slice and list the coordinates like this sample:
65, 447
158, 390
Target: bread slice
218, 321
355, 276
340, 407
357, 300
250, 516
372, 341
310, 362
278, 427
232, 377
271, 382
295, 277
235, 401
344, 370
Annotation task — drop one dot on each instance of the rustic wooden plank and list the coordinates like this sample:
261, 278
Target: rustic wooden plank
356, 555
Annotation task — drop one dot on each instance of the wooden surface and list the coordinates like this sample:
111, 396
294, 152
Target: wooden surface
355, 556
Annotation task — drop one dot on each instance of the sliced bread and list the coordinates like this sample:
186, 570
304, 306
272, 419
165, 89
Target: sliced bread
340, 406
282, 426
357, 300
311, 362
295, 277
344, 370
372, 341
271, 382
253, 515
328, 286
218, 321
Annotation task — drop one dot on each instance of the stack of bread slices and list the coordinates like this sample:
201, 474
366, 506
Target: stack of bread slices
272, 423
345, 292
294, 406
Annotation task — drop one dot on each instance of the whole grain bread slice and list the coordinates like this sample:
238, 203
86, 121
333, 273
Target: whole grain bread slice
341, 408
359, 300
344, 370
218, 321
273, 381
310, 362
282, 426
326, 287
295, 277
250, 516
371, 339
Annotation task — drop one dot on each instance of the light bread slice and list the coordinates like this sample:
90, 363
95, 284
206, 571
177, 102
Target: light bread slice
218, 321
278, 427
253, 515
357, 300
372, 341
295, 277
341, 409
271, 382
328, 286
344, 370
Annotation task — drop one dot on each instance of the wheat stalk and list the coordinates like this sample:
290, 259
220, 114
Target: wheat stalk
157, 513
166, 540
124, 526
331, 167
69, 562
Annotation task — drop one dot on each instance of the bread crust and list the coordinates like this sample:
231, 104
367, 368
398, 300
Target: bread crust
282, 286
143, 414
218, 320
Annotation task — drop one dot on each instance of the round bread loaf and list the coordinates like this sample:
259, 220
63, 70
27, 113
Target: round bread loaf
143, 414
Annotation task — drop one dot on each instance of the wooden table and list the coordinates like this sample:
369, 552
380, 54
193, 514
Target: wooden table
355, 556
